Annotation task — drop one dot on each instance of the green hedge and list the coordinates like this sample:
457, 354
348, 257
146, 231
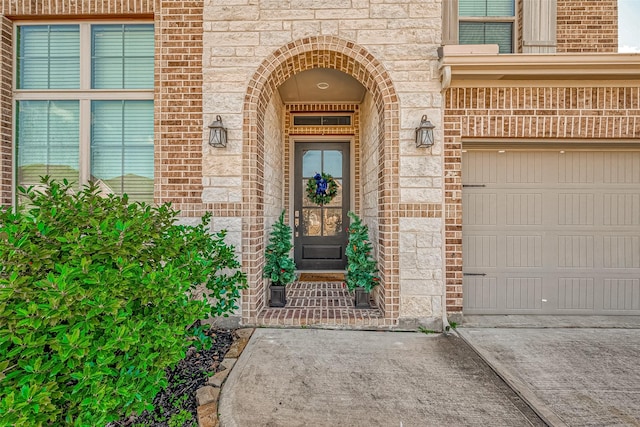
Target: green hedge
95, 303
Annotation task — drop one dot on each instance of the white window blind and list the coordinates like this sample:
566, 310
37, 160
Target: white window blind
48, 141
49, 57
122, 57
103, 129
500, 33
486, 8
487, 22
122, 147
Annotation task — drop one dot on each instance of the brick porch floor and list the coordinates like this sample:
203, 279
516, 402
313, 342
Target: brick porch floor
323, 305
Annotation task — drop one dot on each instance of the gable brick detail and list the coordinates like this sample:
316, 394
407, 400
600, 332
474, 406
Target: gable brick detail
544, 114
587, 26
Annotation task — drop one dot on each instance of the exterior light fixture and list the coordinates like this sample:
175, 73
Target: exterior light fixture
424, 133
217, 133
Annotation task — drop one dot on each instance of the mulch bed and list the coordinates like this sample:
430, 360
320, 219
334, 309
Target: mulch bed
178, 399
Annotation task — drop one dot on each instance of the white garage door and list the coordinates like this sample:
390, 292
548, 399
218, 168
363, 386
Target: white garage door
551, 232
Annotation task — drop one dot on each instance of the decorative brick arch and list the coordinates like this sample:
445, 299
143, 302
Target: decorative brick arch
350, 58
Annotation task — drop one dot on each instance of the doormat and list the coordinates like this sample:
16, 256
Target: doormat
321, 277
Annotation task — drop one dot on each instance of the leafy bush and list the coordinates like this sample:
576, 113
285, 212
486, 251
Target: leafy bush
361, 267
279, 266
95, 303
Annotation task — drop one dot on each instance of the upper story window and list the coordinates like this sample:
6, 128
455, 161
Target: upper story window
84, 105
487, 22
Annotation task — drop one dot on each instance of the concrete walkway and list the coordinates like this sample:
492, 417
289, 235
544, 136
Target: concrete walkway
572, 376
311, 377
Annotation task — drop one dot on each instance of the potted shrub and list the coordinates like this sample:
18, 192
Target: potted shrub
362, 273
279, 267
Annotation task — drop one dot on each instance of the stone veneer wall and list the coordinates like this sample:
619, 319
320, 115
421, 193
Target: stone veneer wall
273, 166
369, 160
274, 162
421, 225
541, 114
252, 48
587, 26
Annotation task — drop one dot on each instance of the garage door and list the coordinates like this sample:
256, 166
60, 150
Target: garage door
551, 232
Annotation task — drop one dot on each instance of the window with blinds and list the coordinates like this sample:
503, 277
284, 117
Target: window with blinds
486, 8
84, 106
49, 57
48, 140
122, 145
487, 22
122, 55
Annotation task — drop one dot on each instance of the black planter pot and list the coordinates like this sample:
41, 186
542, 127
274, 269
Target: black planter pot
278, 296
362, 298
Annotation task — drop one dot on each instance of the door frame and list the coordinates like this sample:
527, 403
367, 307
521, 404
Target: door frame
293, 140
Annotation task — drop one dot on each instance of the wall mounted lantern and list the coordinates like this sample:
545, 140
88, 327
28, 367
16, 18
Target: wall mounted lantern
217, 133
424, 133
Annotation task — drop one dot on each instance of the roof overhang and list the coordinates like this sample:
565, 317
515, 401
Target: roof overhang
459, 65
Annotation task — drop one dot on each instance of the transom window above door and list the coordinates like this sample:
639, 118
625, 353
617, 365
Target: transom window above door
322, 119
84, 105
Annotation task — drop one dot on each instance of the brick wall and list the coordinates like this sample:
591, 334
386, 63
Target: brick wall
6, 144
179, 129
587, 26
251, 48
51, 8
389, 47
541, 114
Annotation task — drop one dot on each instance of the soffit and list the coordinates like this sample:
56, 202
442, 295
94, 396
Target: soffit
303, 87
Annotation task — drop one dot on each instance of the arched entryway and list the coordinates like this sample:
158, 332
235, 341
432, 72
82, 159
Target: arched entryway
259, 183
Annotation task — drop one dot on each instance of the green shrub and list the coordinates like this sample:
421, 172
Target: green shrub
361, 267
95, 303
279, 267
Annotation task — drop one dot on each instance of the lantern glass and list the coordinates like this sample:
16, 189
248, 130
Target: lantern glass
424, 133
217, 133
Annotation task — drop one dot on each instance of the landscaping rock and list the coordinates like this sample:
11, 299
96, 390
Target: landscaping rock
218, 378
228, 363
244, 333
240, 343
207, 394
208, 415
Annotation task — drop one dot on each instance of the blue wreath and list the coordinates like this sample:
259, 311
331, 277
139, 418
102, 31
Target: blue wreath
321, 189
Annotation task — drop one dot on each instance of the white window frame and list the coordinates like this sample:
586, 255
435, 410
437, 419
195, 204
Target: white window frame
84, 95
451, 22
535, 19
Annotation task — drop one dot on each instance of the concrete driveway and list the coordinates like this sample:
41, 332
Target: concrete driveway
571, 376
311, 377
